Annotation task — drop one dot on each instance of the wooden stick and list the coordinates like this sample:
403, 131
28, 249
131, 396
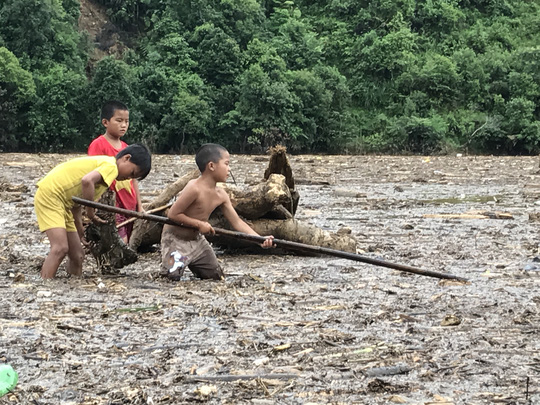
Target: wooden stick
236, 377
278, 242
473, 215
133, 219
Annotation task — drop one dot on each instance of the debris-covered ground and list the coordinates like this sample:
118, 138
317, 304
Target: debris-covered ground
315, 330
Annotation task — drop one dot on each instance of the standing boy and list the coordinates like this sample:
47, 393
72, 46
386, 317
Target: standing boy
115, 119
87, 177
182, 247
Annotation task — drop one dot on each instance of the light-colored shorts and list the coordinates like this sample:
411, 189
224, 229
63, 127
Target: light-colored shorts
197, 254
51, 212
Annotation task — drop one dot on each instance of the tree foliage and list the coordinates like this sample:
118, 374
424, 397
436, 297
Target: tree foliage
390, 76
17, 91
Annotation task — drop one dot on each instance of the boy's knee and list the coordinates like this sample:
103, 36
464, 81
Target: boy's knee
76, 257
59, 250
215, 273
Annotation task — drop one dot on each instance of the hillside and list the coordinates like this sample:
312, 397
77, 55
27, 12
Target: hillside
387, 77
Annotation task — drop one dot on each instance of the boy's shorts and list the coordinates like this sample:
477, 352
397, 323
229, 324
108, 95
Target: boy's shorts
52, 213
197, 254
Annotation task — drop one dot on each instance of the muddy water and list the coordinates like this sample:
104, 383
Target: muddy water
328, 330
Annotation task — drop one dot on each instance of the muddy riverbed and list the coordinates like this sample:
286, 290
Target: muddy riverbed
284, 329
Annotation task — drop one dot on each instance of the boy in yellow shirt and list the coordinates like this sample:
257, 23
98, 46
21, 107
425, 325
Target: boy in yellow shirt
86, 177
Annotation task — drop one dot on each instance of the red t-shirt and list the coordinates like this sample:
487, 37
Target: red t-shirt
124, 198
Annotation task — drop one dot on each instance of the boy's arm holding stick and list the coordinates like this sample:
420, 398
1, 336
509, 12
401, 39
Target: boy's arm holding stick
77, 217
89, 182
140, 207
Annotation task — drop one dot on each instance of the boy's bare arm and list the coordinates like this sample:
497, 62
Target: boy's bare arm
77, 217
232, 216
88, 183
137, 195
240, 225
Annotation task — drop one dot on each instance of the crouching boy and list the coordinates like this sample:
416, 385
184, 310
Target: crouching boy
86, 177
185, 247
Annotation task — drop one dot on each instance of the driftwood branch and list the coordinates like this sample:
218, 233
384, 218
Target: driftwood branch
237, 377
172, 189
473, 215
152, 211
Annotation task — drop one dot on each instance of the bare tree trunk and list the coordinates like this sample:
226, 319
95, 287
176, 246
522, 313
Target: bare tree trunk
291, 230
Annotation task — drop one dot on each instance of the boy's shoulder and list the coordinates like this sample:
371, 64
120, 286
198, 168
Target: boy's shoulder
101, 146
193, 185
202, 188
98, 145
95, 159
98, 139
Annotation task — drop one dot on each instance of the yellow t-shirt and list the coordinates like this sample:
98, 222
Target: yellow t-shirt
65, 180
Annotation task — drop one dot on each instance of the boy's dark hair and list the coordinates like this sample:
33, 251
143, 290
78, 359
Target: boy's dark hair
108, 109
209, 152
140, 155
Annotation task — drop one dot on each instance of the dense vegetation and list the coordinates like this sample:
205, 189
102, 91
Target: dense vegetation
394, 76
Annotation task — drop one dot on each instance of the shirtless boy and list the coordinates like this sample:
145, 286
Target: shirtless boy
181, 247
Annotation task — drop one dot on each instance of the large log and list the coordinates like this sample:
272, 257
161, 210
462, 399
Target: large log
251, 203
291, 230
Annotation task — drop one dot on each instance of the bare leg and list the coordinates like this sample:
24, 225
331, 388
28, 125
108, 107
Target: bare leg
75, 254
59, 249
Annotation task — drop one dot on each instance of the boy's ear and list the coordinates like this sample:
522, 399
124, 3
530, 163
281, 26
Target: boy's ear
126, 157
105, 122
211, 166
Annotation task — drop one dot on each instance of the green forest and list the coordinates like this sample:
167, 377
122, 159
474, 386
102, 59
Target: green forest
333, 76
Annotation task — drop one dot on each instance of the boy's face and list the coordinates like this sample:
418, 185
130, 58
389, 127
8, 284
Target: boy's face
118, 124
221, 167
127, 169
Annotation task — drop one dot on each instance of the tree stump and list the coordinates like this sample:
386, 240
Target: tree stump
261, 199
279, 164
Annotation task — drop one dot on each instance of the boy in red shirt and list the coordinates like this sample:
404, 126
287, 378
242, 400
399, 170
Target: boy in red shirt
115, 119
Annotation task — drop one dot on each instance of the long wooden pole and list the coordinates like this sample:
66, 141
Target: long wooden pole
133, 219
278, 242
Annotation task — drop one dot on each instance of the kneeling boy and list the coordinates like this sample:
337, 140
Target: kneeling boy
181, 247
86, 177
